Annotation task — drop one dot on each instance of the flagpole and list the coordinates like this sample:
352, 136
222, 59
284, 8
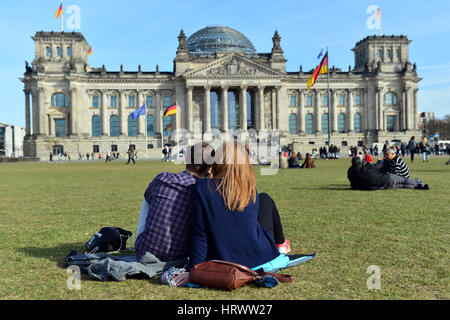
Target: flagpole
146, 142
162, 128
62, 18
329, 100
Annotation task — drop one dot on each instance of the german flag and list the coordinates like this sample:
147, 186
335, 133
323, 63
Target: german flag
59, 12
322, 68
170, 110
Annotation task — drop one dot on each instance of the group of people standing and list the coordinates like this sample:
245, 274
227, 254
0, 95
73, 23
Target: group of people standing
332, 152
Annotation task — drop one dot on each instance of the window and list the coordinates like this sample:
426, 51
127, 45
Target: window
149, 101
150, 126
69, 51
60, 127
309, 123
214, 98
150, 146
131, 101
96, 126
389, 53
48, 51
292, 124
390, 123
325, 100
390, 98
113, 101
95, 101
325, 123
233, 109
58, 51
341, 123
166, 101
397, 53
293, 100
60, 100
358, 100
58, 149
357, 123
344, 143
113, 148
95, 148
114, 126
250, 110
379, 53
360, 143
167, 125
309, 101
2, 141
341, 100
132, 129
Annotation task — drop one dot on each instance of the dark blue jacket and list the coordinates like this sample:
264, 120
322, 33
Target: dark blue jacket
218, 233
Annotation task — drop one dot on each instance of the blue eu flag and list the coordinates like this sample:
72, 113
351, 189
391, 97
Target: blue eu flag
139, 112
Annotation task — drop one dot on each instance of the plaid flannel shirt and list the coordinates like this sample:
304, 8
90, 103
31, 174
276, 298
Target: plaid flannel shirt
167, 228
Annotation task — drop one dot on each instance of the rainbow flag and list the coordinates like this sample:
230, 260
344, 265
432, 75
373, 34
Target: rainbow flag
379, 14
170, 110
169, 127
322, 68
90, 51
59, 12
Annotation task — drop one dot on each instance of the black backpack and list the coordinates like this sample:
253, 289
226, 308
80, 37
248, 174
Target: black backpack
108, 239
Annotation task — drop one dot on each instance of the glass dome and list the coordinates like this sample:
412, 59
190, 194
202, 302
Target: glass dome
219, 39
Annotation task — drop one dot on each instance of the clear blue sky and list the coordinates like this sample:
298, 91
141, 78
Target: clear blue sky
145, 32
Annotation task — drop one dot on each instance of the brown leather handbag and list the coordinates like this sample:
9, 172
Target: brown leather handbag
227, 275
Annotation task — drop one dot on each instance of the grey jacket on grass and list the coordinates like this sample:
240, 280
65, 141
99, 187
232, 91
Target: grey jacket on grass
106, 267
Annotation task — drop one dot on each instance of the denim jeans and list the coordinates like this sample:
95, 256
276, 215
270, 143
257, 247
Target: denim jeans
425, 156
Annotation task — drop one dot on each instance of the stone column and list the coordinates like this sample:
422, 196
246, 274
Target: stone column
141, 120
414, 125
158, 114
189, 111
35, 113
404, 118
123, 116
377, 108
73, 112
224, 91
243, 108
27, 112
317, 125
261, 107
278, 112
105, 122
300, 116
380, 115
333, 101
350, 124
274, 109
43, 130
207, 106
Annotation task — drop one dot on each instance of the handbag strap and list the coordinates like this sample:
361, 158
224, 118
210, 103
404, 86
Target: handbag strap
278, 276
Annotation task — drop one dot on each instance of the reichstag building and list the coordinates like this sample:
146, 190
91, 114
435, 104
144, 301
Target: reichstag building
220, 79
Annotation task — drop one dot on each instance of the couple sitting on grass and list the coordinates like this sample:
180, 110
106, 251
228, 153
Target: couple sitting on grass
212, 212
390, 173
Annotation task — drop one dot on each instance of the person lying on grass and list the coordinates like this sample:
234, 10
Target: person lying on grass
366, 176
164, 223
225, 217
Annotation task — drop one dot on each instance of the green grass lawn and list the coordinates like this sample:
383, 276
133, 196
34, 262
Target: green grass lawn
49, 209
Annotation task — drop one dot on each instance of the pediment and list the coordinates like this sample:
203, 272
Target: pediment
233, 66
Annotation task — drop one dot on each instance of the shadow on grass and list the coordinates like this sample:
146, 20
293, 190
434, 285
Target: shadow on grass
332, 187
56, 254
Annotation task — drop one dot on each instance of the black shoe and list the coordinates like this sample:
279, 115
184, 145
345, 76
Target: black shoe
426, 187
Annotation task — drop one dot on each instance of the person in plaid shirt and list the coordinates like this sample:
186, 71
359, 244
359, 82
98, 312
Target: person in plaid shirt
164, 221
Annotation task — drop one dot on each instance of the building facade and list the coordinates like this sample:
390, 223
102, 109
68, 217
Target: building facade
220, 80
11, 140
